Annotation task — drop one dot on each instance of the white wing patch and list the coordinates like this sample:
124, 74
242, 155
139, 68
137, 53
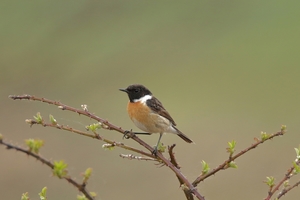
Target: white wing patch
143, 99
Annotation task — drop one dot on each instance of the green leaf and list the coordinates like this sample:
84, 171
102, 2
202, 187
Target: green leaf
81, 197
283, 129
93, 194
264, 136
286, 184
93, 127
231, 147
52, 120
161, 148
205, 167
59, 169
42, 194
87, 174
232, 165
297, 153
270, 181
38, 118
25, 196
34, 145
296, 168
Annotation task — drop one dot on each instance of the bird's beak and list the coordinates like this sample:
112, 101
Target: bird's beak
123, 90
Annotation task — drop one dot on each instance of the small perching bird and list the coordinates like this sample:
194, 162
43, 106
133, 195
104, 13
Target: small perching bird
148, 113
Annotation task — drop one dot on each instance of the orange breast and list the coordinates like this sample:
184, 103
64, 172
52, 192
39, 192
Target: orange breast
146, 120
138, 112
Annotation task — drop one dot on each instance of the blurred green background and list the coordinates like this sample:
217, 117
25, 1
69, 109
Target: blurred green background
224, 69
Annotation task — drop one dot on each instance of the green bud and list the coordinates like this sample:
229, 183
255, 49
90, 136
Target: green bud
60, 169
205, 167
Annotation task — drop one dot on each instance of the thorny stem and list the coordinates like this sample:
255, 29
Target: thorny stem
224, 165
80, 187
110, 126
287, 176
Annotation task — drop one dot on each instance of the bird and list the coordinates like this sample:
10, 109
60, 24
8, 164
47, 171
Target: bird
149, 115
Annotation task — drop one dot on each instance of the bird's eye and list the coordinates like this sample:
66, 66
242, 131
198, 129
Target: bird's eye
136, 90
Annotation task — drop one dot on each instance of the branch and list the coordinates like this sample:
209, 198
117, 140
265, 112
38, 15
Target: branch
187, 193
226, 163
287, 176
282, 193
131, 157
94, 136
110, 126
80, 187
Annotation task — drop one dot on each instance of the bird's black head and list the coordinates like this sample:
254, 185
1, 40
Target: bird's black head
136, 91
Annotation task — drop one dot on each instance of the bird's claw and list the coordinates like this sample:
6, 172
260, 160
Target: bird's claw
128, 134
154, 152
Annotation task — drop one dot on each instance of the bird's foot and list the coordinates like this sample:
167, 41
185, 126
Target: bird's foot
159, 148
154, 152
128, 134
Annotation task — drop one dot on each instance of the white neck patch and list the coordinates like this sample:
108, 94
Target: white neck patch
143, 99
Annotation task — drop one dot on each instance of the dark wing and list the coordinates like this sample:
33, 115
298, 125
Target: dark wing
157, 107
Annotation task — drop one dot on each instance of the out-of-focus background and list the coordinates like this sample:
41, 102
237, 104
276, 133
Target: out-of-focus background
224, 70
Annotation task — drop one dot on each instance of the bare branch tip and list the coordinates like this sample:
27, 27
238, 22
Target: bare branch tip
84, 107
15, 97
131, 157
30, 122
61, 107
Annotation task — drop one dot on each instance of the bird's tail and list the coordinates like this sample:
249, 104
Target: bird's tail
184, 137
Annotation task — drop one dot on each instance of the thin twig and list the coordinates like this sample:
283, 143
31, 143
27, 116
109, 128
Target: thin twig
225, 164
94, 136
80, 187
133, 157
286, 190
172, 155
187, 193
110, 126
287, 176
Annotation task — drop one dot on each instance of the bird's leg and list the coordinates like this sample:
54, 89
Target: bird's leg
130, 134
154, 152
141, 133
